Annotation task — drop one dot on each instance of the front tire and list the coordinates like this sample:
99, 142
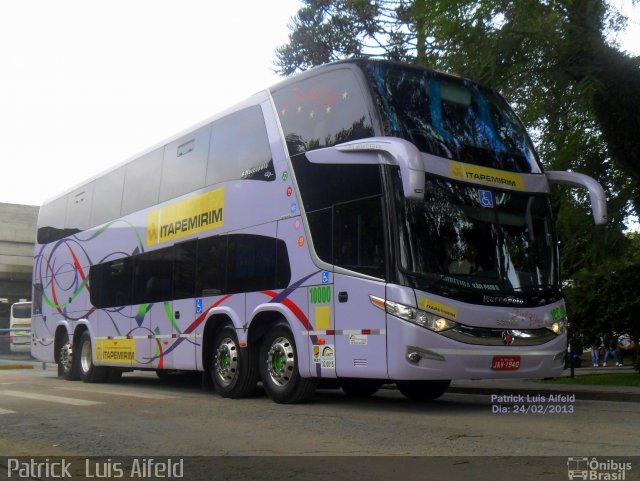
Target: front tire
360, 387
88, 371
234, 371
423, 391
279, 368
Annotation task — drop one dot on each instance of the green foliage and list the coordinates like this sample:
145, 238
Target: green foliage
617, 379
604, 298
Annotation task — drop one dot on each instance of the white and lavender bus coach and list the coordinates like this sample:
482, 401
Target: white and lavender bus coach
362, 223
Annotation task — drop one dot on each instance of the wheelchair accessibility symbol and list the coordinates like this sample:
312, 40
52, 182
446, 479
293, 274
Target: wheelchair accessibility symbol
486, 198
198, 306
325, 277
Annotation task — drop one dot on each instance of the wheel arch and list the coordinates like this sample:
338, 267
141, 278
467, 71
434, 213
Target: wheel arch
213, 323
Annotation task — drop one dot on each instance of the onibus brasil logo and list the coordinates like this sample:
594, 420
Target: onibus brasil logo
594, 469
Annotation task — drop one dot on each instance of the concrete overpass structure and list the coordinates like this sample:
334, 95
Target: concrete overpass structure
17, 239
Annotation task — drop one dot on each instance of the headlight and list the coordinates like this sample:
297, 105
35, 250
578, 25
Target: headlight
413, 315
559, 326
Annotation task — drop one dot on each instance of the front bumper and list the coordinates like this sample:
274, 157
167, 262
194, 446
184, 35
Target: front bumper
439, 357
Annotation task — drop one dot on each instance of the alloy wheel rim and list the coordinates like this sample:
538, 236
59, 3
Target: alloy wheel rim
281, 361
226, 361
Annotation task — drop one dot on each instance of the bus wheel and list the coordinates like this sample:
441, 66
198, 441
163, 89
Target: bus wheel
423, 390
279, 368
88, 371
360, 387
234, 371
114, 374
67, 366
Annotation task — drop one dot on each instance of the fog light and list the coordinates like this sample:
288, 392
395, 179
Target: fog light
414, 357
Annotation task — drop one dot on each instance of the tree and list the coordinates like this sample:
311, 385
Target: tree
550, 59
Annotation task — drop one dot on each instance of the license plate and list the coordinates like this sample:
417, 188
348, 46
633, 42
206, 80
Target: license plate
505, 363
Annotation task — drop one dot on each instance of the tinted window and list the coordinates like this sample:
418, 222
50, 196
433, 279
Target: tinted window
338, 184
184, 270
321, 226
152, 278
38, 291
452, 118
240, 148
324, 185
111, 283
323, 110
212, 253
225, 264
359, 236
252, 263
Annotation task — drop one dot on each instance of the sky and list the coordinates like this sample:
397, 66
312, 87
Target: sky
87, 84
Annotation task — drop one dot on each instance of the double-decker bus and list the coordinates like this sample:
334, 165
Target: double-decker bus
364, 222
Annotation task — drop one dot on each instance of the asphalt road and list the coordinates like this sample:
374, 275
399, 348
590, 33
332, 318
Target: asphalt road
42, 415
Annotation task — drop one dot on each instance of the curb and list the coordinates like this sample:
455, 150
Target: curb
15, 366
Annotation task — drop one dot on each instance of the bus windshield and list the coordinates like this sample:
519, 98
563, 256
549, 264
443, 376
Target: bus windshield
450, 117
466, 239
22, 310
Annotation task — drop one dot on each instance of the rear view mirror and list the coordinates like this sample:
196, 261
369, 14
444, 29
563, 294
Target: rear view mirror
596, 194
381, 151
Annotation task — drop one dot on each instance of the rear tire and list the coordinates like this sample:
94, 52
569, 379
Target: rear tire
89, 372
423, 391
67, 364
278, 367
234, 370
360, 387
114, 375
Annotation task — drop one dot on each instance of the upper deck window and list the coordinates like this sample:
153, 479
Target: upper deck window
451, 118
322, 111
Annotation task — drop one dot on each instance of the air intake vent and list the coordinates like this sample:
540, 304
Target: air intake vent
360, 362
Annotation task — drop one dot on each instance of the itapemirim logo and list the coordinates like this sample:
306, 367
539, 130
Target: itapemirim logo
594, 469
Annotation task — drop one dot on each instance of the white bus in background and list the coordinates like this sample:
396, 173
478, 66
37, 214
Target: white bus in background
20, 327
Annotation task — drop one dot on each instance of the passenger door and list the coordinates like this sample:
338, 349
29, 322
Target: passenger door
359, 246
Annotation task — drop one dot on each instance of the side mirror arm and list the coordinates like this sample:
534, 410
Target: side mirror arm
389, 150
596, 193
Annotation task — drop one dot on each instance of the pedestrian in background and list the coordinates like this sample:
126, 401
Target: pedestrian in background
596, 345
610, 349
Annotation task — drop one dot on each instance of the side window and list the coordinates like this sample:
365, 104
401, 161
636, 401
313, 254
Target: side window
79, 202
185, 164
184, 269
38, 292
338, 185
283, 268
51, 220
114, 284
211, 270
107, 197
142, 182
321, 226
152, 276
359, 236
252, 263
323, 110
240, 148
